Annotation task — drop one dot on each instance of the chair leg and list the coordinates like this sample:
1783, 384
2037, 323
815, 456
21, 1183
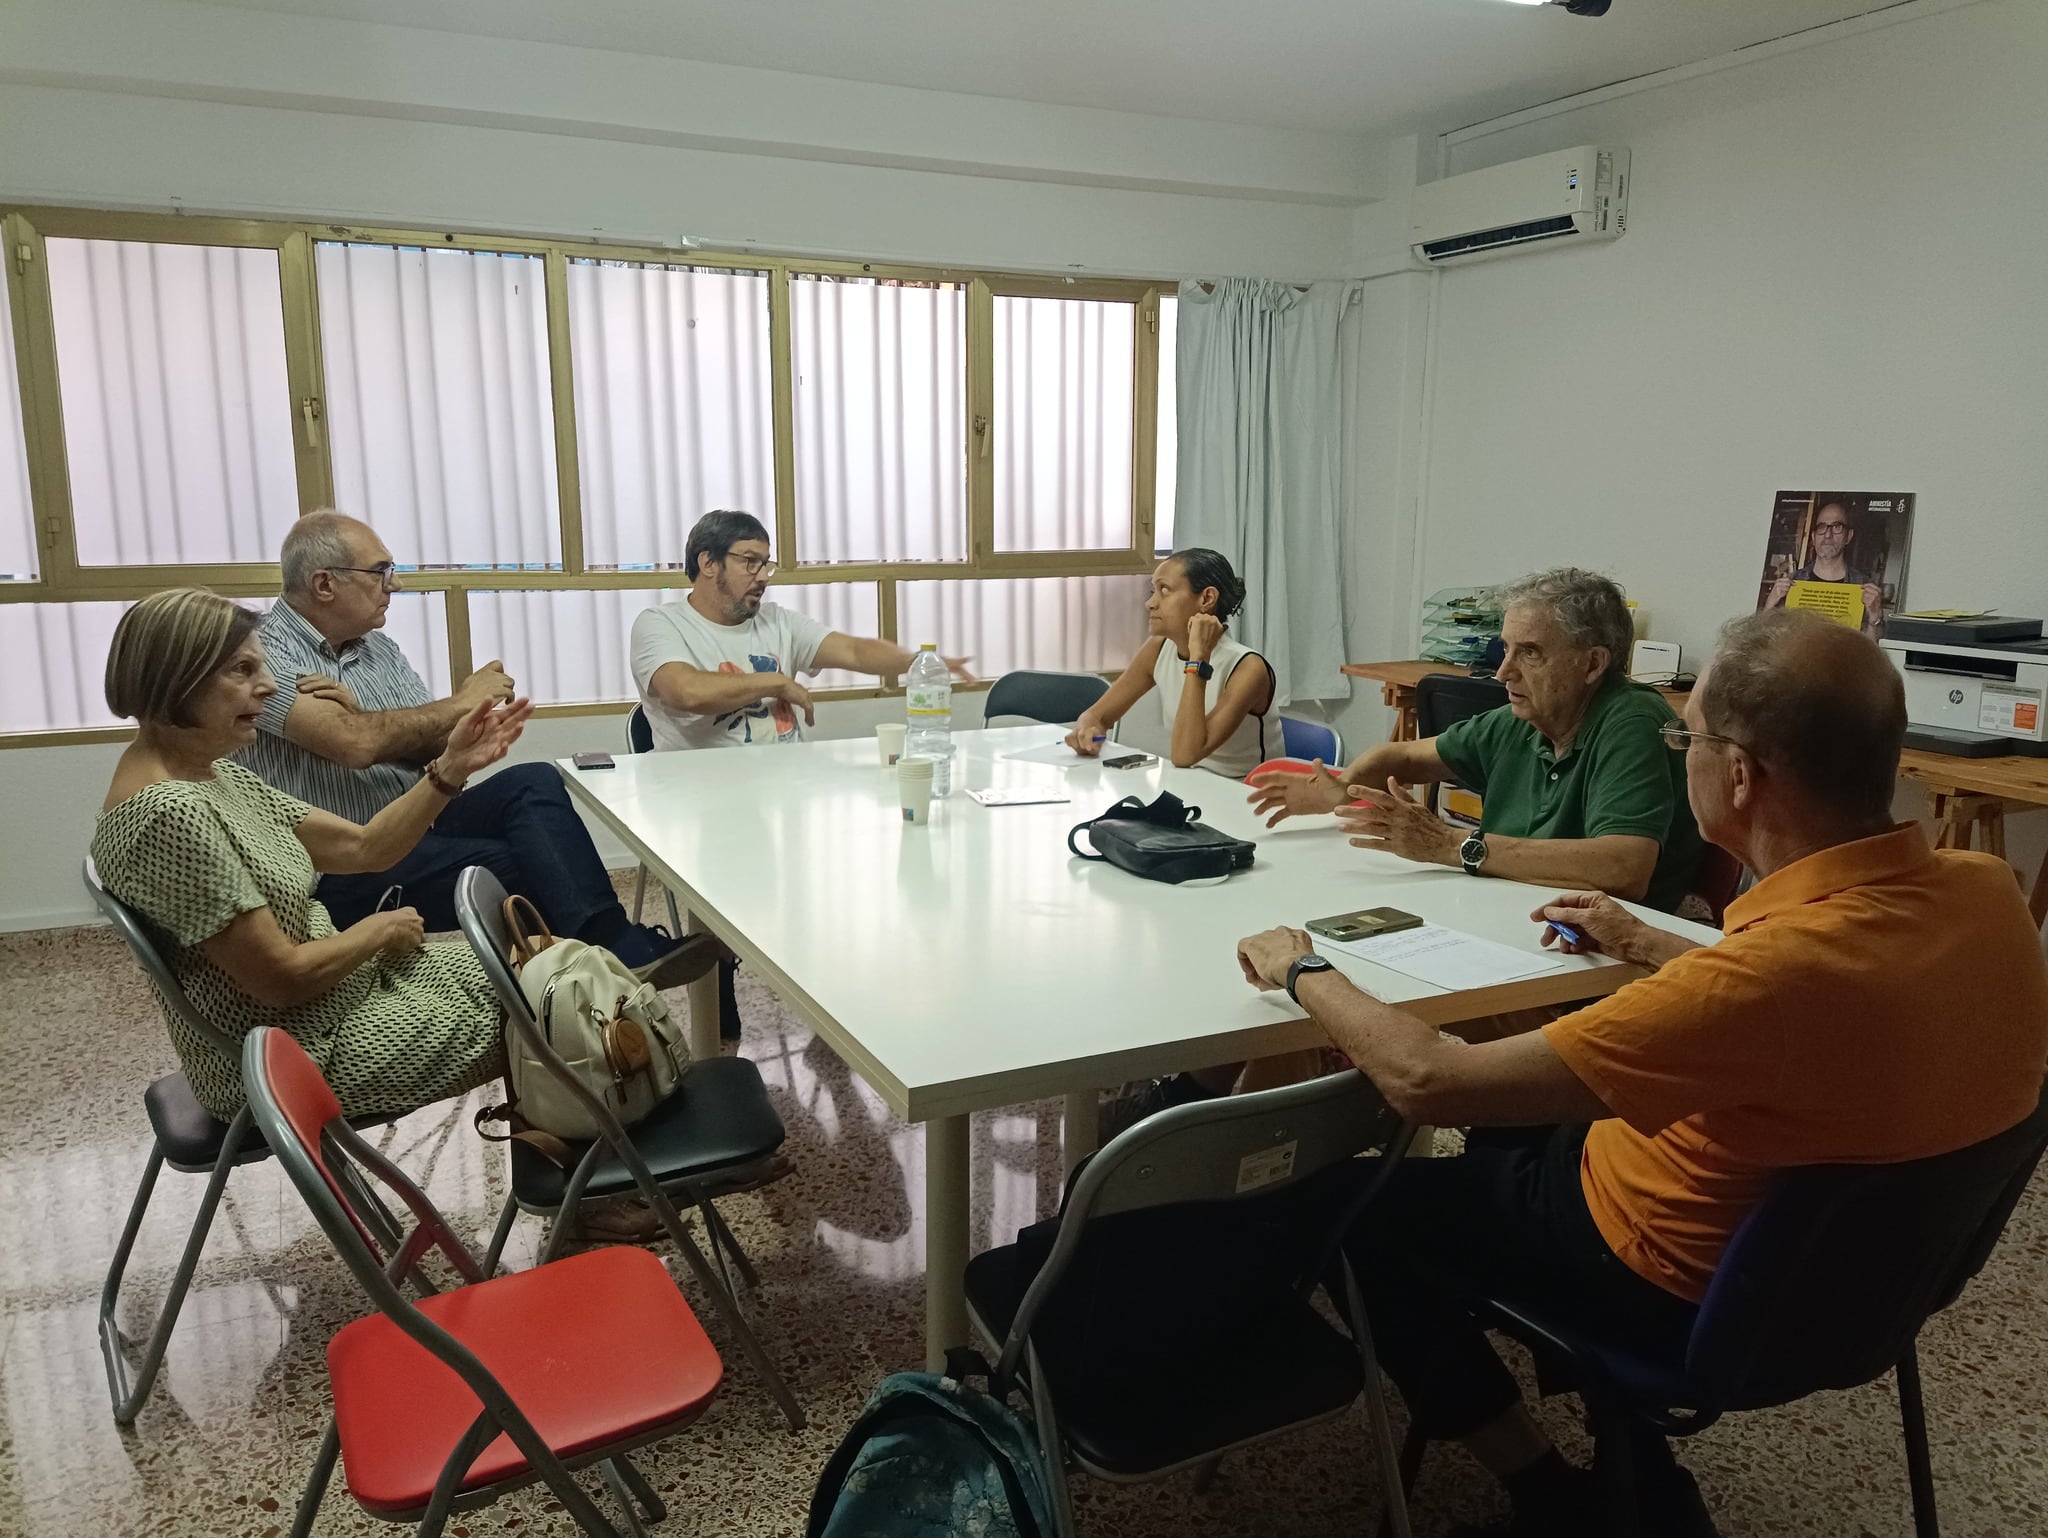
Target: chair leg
675, 915
316, 1482
627, 1498
728, 1306
1392, 1473
639, 893
507, 1215
651, 1505
1052, 1446
723, 1236
1919, 1467
129, 1394
572, 1198
1614, 1462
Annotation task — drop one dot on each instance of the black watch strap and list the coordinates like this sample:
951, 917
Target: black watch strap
1302, 964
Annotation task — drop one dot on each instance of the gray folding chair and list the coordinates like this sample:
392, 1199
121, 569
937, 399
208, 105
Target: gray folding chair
640, 739
190, 1139
1285, 1367
716, 1128
1054, 698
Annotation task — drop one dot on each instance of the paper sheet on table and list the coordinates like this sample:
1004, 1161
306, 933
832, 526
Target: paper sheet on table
1447, 958
1051, 753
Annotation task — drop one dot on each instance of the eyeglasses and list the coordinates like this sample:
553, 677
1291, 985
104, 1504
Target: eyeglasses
1678, 737
1830, 528
386, 573
754, 565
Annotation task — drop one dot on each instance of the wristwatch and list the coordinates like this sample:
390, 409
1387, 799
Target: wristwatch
1202, 670
1302, 964
1472, 853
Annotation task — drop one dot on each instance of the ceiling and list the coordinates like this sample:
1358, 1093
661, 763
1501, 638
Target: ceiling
1364, 67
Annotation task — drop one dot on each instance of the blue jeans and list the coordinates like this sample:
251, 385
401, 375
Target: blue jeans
519, 825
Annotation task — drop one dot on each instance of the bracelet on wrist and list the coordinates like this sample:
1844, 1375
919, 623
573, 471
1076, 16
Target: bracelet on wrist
439, 782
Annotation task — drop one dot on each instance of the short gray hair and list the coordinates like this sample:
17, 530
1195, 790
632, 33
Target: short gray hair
317, 542
1588, 608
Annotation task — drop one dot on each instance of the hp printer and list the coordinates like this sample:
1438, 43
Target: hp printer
1976, 688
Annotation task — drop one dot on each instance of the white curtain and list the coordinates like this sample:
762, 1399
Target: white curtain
1261, 429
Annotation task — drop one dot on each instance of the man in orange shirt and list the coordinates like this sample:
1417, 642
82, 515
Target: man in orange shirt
1873, 1000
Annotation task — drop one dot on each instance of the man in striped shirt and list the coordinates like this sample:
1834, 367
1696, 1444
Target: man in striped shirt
351, 725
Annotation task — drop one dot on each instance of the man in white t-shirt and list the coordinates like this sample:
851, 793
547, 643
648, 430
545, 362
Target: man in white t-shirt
718, 670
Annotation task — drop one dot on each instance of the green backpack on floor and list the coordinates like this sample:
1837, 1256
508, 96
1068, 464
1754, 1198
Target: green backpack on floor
931, 1458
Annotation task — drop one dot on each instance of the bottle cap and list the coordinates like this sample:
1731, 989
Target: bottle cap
929, 646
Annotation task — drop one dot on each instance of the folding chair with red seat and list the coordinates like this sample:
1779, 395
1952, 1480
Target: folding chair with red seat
450, 1402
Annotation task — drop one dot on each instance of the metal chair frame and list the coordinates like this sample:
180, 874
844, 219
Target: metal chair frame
1728, 1344
478, 899
1193, 1153
129, 1387
348, 1229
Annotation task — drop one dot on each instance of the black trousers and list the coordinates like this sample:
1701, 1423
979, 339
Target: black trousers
1506, 1219
520, 825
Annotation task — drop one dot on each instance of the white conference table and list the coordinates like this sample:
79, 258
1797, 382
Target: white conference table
1036, 974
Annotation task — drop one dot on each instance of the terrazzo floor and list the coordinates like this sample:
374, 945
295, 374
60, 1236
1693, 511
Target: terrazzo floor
224, 1445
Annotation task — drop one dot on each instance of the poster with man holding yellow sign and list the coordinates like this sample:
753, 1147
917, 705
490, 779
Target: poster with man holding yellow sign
1840, 554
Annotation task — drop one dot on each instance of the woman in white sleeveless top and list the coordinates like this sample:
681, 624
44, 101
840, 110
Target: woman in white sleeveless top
1213, 693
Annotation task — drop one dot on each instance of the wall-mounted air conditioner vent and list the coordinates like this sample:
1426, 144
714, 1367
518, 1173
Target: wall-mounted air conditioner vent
1573, 195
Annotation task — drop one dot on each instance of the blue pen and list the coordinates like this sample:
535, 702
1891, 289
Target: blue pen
1565, 932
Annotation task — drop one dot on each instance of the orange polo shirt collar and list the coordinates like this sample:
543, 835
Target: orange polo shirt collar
1861, 862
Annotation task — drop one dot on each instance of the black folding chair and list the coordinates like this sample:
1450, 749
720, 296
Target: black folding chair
187, 1137
1252, 1375
1444, 699
1054, 698
1824, 1286
712, 1133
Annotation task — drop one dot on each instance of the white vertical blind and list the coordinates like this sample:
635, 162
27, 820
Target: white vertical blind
56, 668
1069, 624
673, 411
1063, 413
1166, 462
438, 402
571, 648
418, 622
881, 406
19, 559
177, 408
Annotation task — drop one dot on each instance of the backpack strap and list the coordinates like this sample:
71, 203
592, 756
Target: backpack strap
530, 932
546, 1144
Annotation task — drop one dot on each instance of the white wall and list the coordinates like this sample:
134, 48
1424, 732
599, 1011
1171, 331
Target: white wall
142, 102
53, 795
1832, 278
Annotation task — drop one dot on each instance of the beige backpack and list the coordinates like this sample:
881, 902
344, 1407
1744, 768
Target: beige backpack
612, 1029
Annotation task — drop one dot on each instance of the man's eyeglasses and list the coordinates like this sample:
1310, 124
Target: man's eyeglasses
754, 565
386, 573
1678, 737
1831, 528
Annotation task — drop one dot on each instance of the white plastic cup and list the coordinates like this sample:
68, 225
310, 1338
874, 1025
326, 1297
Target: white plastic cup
889, 741
914, 789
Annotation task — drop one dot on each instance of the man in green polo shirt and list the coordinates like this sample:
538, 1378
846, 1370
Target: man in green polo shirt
1579, 789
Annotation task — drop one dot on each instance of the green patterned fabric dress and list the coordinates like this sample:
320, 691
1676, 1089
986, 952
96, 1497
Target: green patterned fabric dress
396, 1033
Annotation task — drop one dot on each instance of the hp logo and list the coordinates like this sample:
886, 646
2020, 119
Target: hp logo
1955, 696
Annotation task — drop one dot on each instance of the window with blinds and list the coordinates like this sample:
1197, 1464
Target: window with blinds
960, 457
674, 415
881, 418
439, 407
1064, 423
19, 558
177, 409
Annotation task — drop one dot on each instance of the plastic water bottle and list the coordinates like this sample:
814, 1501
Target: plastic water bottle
928, 705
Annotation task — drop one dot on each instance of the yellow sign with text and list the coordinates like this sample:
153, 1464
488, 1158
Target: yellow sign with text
1841, 602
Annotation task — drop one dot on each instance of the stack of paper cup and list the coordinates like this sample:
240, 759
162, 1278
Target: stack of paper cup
914, 782
889, 741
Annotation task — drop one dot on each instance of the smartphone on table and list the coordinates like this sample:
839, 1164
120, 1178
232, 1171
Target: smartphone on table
592, 761
1365, 924
1128, 760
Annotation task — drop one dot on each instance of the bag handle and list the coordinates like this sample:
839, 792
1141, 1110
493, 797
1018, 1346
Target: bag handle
530, 932
1074, 833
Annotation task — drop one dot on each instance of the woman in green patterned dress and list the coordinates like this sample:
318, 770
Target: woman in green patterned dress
222, 867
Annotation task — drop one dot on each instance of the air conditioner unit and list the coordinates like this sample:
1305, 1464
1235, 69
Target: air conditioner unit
1573, 195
